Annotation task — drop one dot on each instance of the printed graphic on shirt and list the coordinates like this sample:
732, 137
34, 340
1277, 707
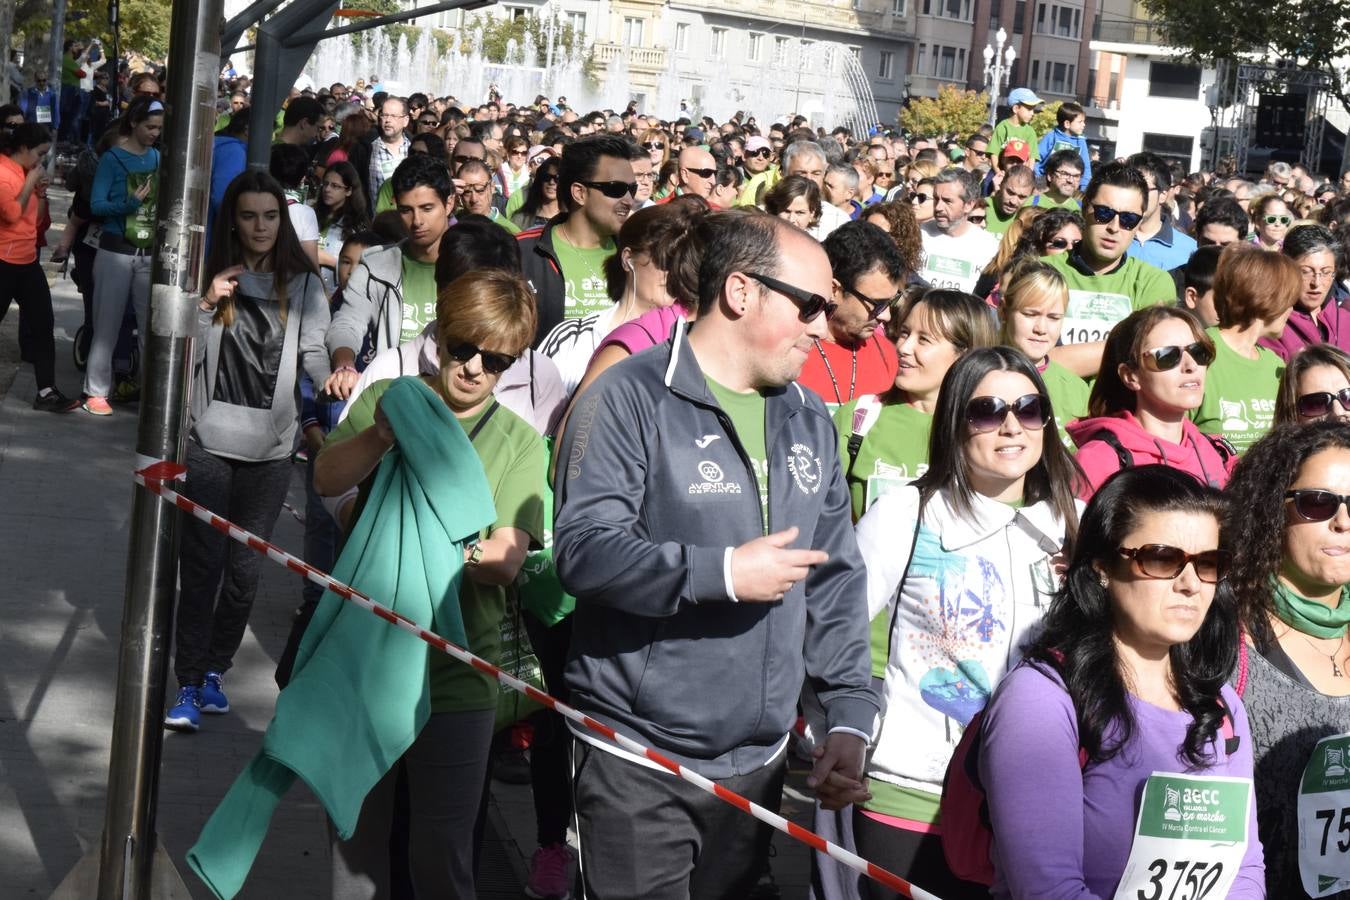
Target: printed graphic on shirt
139, 226
887, 479
1091, 315
712, 480
416, 316
804, 465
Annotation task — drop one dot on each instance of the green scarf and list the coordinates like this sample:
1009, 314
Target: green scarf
1309, 616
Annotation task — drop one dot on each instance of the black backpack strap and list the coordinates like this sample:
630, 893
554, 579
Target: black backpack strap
1108, 437
1226, 450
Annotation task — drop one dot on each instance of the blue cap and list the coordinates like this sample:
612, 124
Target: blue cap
1024, 96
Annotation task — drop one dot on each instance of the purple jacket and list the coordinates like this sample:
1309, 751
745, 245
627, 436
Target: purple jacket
1332, 326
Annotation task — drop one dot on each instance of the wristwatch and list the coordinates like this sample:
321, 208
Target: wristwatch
475, 555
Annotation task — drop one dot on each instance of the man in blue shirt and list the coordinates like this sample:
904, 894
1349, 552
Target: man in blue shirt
1156, 241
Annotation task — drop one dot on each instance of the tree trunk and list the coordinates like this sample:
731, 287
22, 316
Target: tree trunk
6, 36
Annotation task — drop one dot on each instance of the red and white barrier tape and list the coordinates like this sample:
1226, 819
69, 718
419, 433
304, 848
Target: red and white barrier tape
154, 478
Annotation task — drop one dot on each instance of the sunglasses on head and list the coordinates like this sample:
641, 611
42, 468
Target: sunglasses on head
1315, 505
1061, 243
984, 414
874, 306
808, 305
1283, 220
919, 198
653, 145
1319, 403
976, 219
702, 173
762, 152
1163, 359
1165, 561
493, 363
614, 190
460, 159
1103, 215
434, 123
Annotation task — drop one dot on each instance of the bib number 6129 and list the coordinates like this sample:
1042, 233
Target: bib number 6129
1198, 877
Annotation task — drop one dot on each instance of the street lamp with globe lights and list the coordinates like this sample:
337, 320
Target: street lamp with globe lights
998, 65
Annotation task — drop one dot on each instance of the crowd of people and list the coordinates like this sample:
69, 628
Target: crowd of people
912, 459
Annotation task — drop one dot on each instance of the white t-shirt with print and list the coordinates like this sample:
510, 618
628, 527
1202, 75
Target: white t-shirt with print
956, 262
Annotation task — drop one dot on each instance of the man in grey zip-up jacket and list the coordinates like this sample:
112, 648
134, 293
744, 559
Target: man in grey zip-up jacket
702, 601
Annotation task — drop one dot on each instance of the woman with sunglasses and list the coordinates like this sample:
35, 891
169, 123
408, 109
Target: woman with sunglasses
1152, 378
1032, 314
513, 175
656, 145
961, 565
1253, 295
341, 210
1322, 312
1315, 386
1272, 218
1289, 530
921, 199
1124, 685
541, 198
796, 200
484, 321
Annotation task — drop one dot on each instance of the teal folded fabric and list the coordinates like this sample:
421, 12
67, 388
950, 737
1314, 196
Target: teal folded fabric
359, 695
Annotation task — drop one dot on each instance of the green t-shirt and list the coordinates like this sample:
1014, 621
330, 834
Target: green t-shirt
746, 412
496, 216
1239, 400
1098, 302
515, 462
1008, 129
903, 802
384, 200
1045, 201
1068, 397
69, 66
893, 453
583, 277
994, 221
419, 297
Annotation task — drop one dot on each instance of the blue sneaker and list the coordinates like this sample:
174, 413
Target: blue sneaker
212, 697
185, 715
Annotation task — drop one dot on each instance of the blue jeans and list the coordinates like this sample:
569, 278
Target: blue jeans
69, 129
321, 536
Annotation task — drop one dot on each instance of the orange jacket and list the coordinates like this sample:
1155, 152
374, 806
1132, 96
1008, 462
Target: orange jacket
18, 225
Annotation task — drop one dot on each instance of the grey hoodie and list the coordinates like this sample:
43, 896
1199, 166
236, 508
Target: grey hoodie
244, 402
372, 304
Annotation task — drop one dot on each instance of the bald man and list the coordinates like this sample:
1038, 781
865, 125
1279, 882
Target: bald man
696, 174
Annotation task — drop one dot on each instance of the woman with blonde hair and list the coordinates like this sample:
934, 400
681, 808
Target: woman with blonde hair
1035, 296
986, 288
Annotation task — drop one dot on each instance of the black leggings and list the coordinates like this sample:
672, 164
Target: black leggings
27, 284
914, 856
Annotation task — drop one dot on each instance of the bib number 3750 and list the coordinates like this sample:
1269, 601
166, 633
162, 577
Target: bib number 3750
1189, 840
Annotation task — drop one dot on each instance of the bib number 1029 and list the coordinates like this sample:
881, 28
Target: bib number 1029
1197, 877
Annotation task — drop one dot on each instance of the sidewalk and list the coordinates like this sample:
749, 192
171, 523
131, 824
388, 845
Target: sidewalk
65, 492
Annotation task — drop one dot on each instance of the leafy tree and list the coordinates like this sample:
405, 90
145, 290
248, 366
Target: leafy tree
1044, 120
1312, 33
145, 23
952, 112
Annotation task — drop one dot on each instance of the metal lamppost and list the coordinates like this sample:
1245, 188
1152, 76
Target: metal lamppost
998, 65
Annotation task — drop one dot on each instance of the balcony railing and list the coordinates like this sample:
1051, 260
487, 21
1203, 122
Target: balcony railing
644, 58
1127, 31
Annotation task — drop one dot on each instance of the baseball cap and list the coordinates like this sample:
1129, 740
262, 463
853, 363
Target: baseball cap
539, 150
1024, 96
695, 134
757, 143
1017, 149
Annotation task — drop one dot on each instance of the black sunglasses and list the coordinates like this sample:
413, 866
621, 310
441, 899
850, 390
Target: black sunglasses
653, 145
614, 190
493, 363
1163, 359
547, 178
1319, 403
809, 305
1103, 215
919, 198
1316, 505
874, 306
460, 159
988, 413
702, 173
1061, 243
762, 152
434, 123
1165, 561
977, 219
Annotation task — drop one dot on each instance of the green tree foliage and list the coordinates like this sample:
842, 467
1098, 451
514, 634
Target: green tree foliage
145, 23
1312, 33
952, 112
1044, 120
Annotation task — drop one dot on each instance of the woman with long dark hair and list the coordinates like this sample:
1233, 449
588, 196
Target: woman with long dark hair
962, 565
123, 197
1289, 530
261, 320
341, 210
541, 198
1126, 679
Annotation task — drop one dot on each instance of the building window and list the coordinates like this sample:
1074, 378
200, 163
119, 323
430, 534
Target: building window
682, 37
961, 64
948, 9
1020, 17
1040, 18
516, 12
898, 7
632, 31
756, 43
1058, 71
1073, 80
1035, 73
807, 46
578, 22
780, 51
1173, 80
719, 43
884, 69
921, 61
947, 64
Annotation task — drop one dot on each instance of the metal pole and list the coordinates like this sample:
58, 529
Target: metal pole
54, 73
129, 838
115, 23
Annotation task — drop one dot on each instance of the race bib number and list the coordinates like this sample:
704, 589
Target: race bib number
950, 272
1091, 315
1324, 818
1189, 840
43, 114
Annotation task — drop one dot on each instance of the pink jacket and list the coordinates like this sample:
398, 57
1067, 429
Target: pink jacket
1197, 454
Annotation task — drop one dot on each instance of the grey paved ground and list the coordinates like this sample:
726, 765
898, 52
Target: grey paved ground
65, 492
